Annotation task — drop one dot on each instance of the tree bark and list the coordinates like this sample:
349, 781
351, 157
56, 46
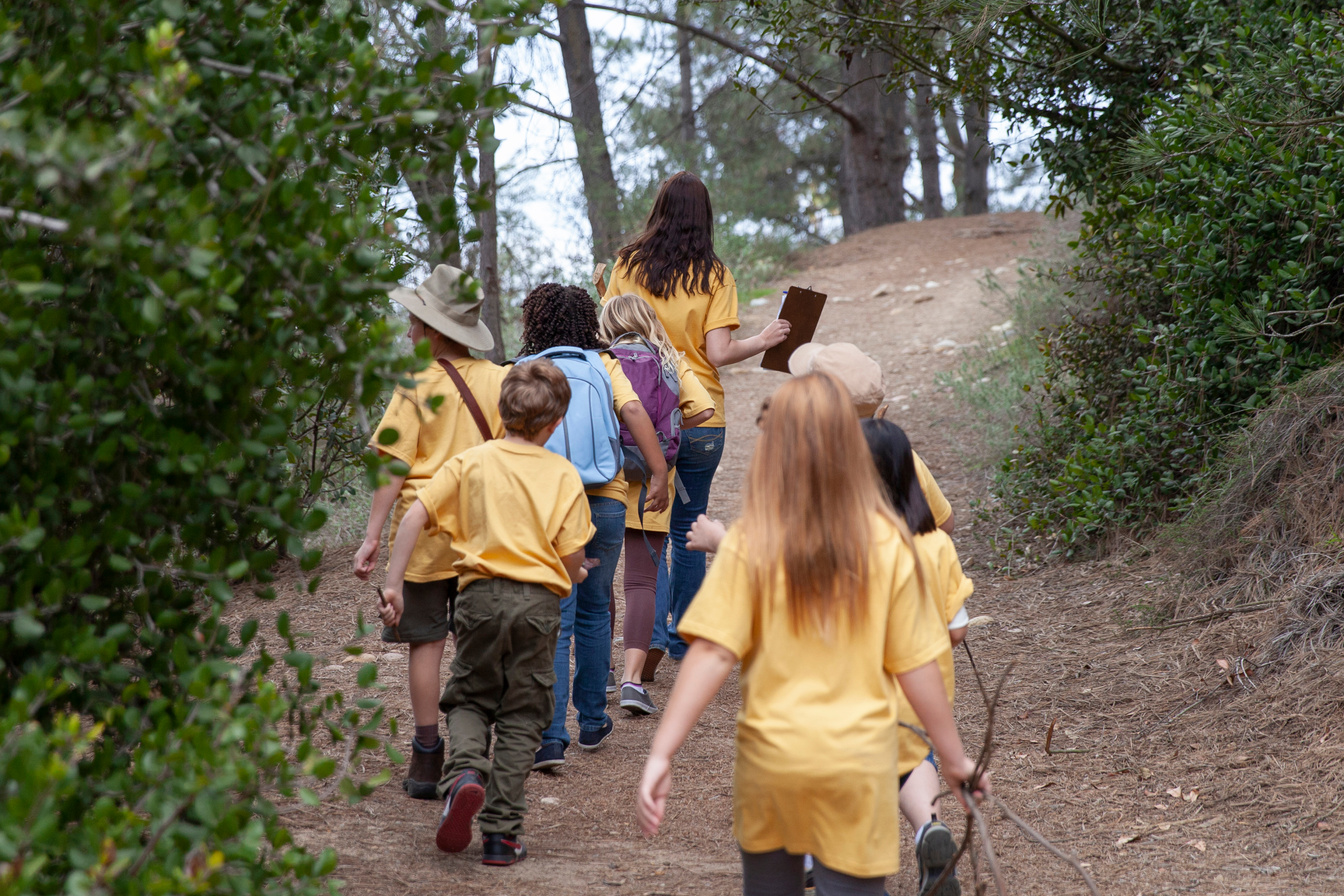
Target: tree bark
585, 103
687, 94
875, 151
979, 154
487, 268
926, 135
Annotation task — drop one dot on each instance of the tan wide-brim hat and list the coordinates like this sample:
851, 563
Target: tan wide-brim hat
445, 302
845, 361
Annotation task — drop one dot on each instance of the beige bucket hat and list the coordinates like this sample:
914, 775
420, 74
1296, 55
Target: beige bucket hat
444, 301
861, 375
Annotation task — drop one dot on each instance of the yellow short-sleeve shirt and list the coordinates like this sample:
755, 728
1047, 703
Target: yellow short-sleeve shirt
513, 510
938, 504
432, 424
815, 770
950, 588
687, 317
695, 399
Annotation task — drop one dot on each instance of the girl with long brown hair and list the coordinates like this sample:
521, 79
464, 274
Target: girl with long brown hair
816, 590
672, 266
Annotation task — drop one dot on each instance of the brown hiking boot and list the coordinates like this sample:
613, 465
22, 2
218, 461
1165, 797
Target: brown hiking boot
422, 779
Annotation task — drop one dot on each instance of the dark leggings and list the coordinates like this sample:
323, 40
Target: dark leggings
779, 873
641, 580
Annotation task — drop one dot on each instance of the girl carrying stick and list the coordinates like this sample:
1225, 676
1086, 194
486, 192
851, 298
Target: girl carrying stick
817, 591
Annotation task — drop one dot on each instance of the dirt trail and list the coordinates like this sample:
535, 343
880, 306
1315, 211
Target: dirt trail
1123, 703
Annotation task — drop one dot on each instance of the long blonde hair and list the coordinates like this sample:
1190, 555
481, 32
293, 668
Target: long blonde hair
811, 494
628, 313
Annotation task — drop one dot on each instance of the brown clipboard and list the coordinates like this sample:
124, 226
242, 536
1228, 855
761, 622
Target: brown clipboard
802, 308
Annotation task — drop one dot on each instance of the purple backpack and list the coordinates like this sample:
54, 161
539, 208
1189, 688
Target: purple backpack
659, 390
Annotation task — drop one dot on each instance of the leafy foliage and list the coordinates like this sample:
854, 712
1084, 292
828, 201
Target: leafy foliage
193, 253
1217, 249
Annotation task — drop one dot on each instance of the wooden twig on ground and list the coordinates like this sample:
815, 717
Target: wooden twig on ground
1054, 850
1208, 617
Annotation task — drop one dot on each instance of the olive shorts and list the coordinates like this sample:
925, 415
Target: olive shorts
427, 612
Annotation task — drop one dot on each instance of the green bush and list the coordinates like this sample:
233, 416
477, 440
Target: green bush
193, 253
1219, 253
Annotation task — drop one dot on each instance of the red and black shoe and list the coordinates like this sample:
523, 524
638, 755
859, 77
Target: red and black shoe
501, 849
466, 795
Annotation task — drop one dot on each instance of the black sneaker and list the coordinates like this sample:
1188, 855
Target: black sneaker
593, 740
637, 700
935, 852
466, 795
500, 849
612, 684
551, 755
422, 779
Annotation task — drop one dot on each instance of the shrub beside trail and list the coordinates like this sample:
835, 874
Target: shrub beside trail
1216, 248
193, 253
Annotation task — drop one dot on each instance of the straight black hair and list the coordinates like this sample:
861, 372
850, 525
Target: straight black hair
895, 462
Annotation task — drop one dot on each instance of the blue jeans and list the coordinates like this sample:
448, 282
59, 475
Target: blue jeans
583, 617
701, 449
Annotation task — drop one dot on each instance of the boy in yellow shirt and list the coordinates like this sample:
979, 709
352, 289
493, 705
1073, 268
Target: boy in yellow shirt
518, 518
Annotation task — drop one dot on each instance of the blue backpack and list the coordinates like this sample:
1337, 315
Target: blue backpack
590, 435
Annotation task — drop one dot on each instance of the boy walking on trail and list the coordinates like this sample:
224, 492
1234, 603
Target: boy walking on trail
426, 423
519, 520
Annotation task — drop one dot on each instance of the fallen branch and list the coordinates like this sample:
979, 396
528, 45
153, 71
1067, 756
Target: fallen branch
1050, 847
1209, 617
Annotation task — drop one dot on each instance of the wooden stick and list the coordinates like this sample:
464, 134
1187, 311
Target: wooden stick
1054, 850
1209, 617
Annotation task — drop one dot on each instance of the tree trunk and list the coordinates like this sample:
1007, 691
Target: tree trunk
979, 154
433, 190
956, 146
926, 134
687, 94
875, 154
487, 268
599, 183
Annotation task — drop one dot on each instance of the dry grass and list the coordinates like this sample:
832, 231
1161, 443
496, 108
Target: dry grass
1270, 528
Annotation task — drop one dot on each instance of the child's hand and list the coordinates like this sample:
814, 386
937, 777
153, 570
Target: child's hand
654, 786
390, 605
581, 575
705, 535
776, 332
598, 280
366, 558
656, 500
957, 774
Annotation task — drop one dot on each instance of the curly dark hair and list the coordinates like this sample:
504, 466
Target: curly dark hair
559, 315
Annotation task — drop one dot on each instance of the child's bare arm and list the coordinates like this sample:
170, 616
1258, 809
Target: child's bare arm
703, 671
412, 524
697, 419
366, 558
957, 635
575, 567
928, 698
637, 420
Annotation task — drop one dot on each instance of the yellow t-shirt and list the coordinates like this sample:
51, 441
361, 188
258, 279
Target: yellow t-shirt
950, 588
938, 504
687, 317
513, 511
427, 438
695, 399
816, 734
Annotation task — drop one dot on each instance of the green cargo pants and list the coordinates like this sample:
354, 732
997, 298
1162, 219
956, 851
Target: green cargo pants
503, 674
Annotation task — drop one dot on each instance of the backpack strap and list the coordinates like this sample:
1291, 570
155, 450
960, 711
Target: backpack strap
468, 399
